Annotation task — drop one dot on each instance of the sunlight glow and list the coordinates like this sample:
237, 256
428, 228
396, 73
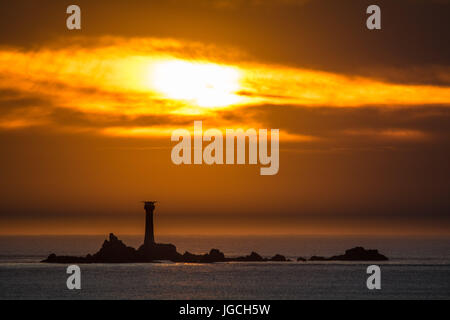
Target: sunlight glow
115, 87
201, 84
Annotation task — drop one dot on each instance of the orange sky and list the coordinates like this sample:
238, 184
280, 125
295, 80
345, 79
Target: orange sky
86, 119
117, 78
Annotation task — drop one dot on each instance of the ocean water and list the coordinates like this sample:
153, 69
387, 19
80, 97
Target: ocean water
419, 268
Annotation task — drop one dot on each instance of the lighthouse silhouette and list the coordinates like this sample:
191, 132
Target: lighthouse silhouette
149, 239
150, 250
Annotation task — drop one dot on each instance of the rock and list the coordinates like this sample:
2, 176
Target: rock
301, 259
114, 250
359, 254
216, 255
158, 251
354, 254
189, 257
278, 257
253, 257
113, 238
53, 258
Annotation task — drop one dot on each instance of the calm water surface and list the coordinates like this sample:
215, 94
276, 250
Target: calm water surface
419, 269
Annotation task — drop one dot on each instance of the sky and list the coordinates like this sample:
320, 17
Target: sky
86, 116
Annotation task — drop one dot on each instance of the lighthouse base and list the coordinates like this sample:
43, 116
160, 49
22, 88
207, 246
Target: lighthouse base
159, 251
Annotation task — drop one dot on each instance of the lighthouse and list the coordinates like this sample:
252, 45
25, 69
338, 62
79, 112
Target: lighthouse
149, 239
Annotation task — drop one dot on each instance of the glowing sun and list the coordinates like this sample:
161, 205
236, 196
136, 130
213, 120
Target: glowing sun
199, 84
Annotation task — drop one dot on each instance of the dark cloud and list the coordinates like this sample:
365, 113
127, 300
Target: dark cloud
322, 34
13, 100
68, 117
336, 123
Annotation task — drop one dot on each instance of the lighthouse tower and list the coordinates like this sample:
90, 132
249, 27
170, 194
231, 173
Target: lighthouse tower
150, 250
149, 239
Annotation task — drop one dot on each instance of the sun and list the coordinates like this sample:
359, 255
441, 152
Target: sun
199, 84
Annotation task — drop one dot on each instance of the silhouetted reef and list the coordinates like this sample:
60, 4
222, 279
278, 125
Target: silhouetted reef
115, 251
355, 254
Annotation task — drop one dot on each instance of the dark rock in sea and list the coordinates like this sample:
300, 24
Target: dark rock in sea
158, 251
190, 257
112, 251
360, 254
278, 257
115, 251
301, 259
53, 258
354, 254
253, 257
214, 255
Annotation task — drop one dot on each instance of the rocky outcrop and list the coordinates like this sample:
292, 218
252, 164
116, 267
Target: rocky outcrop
158, 251
279, 257
360, 254
214, 255
112, 251
354, 254
253, 257
115, 251
53, 258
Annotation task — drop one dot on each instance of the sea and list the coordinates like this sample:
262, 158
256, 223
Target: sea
419, 269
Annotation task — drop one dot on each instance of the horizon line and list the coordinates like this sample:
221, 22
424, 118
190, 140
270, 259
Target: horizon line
430, 235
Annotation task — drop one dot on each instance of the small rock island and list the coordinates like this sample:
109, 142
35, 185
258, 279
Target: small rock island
115, 251
355, 254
